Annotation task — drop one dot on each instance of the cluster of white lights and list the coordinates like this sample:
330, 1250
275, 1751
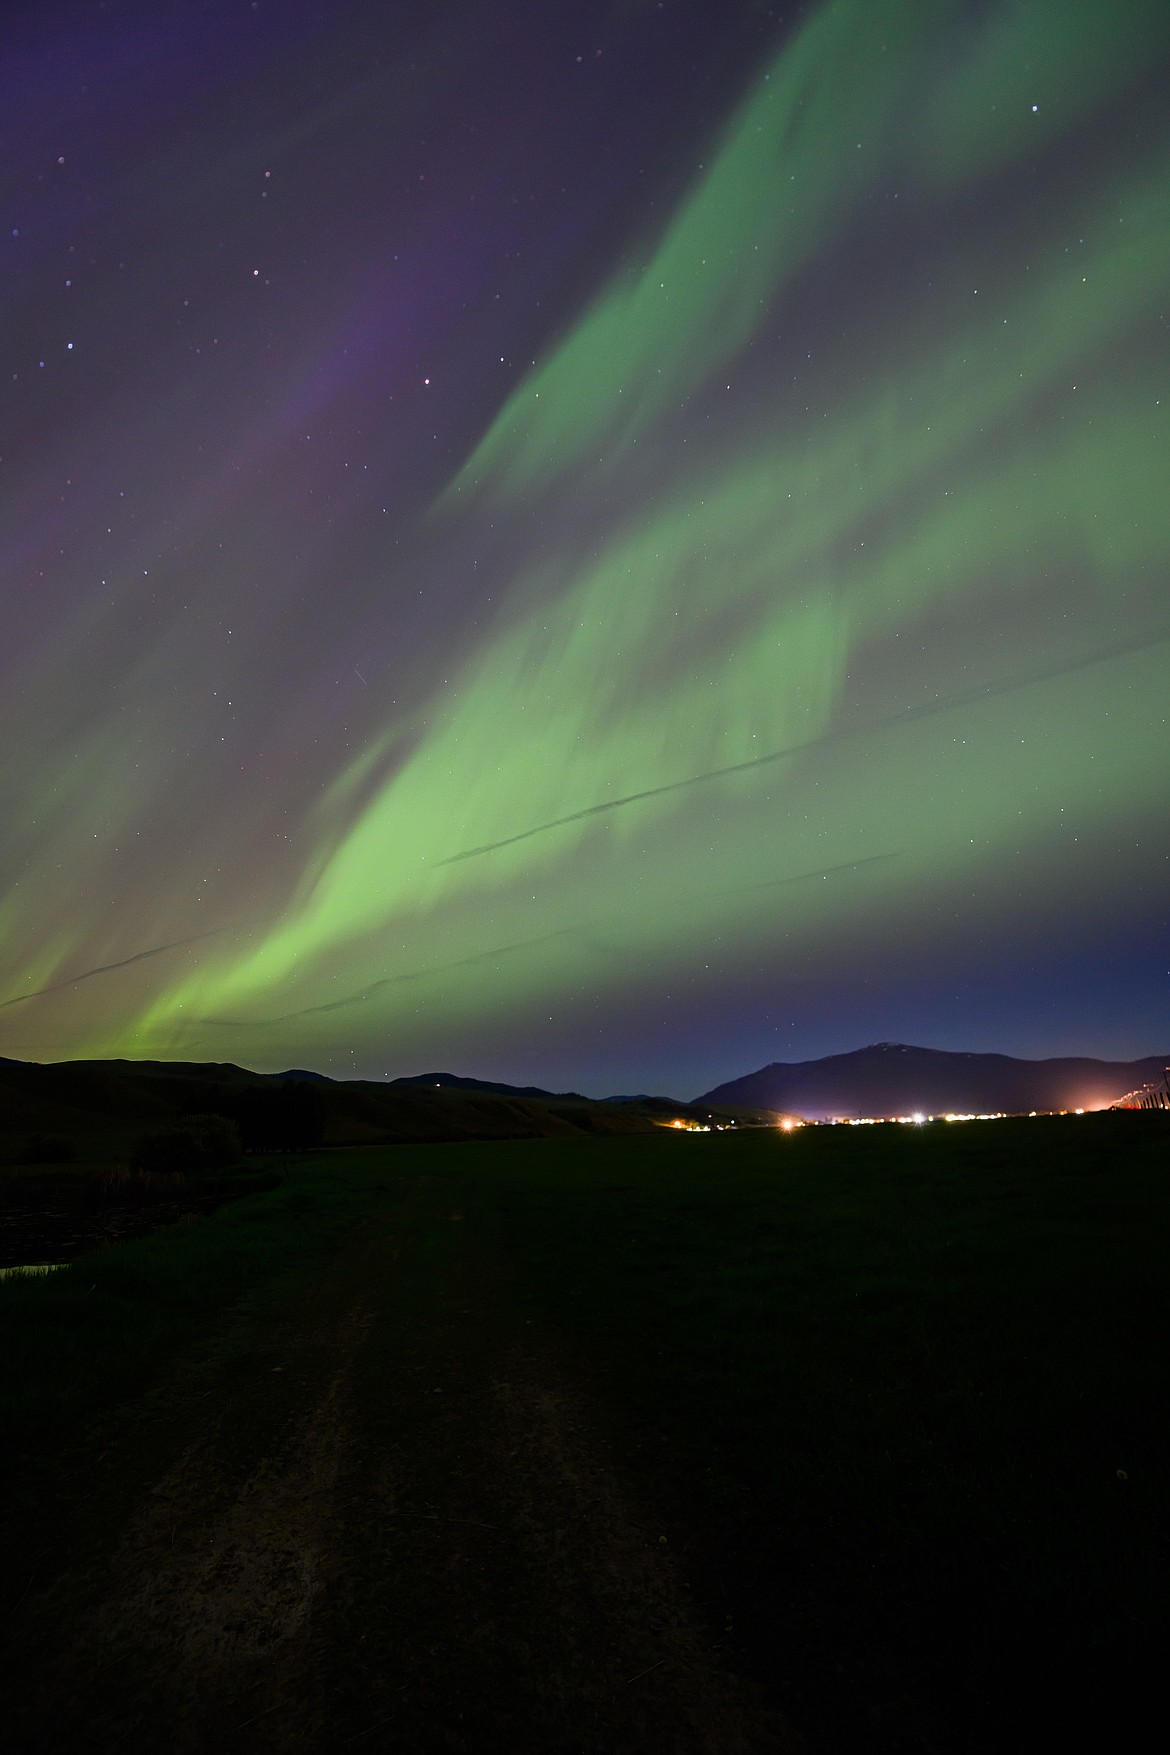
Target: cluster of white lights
790, 1123
917, 1120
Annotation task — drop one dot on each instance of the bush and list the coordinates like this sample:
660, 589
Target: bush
47, 1148
277, 1116
201, 1142
288, 1118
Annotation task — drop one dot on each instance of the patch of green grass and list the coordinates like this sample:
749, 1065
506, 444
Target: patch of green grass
98, 1333
896, 1395
903, 1389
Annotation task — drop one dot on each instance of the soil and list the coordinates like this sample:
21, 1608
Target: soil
386, 1514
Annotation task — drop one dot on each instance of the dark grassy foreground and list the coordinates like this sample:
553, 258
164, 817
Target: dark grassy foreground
896, 1394
904, 1393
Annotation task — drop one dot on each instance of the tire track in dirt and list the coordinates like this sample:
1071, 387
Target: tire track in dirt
504, 1588
660, 1678
194, 1617
207, 1591
392, 1523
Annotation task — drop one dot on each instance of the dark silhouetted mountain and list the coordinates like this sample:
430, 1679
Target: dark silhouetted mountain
892, 1078
454, 1082
296, 1072
645, 1097
102, 1107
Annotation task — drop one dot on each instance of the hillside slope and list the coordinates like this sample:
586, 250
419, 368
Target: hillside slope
102, 1106
893, 1078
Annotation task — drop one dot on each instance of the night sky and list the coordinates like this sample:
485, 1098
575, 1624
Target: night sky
592, 544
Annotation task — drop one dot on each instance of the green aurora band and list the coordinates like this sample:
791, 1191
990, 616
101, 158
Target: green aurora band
786, 652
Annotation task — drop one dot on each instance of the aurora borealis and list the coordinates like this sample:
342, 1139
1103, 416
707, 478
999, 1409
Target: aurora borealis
595, 545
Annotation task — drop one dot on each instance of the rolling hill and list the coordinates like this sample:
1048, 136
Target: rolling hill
103, 1106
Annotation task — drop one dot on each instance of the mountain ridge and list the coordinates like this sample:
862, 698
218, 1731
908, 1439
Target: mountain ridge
460, 1082
898, 1078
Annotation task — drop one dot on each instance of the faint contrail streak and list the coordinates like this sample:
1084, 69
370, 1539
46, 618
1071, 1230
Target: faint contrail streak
904, 716
802, 877
108, 968
368, 992
363, 993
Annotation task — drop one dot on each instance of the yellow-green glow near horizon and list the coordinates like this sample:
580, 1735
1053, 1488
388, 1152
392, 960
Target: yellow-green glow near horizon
786, 642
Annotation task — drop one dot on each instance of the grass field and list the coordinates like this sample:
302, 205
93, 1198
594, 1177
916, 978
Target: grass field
896, 1395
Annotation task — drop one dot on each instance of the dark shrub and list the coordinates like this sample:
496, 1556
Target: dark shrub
273, 1115
200, 1142
48, 1148
279, 1117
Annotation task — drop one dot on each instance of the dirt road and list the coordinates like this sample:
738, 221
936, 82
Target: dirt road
384, 1515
